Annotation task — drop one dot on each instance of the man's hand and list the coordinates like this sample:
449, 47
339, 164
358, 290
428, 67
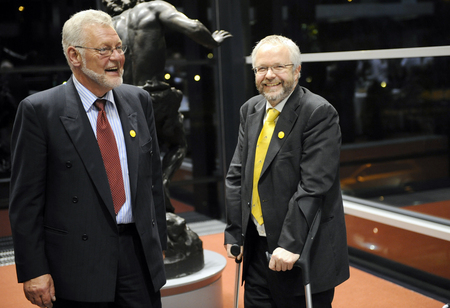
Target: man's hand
220, 35
282, 260
40, 291
229, 254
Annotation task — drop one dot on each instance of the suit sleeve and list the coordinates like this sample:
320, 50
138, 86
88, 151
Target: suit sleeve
319, 167
158, 190
27, 197
233, 181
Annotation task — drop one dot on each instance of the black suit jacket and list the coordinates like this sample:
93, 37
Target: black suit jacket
300, 173
61, 209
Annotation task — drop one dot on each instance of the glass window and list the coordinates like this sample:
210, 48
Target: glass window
394, 116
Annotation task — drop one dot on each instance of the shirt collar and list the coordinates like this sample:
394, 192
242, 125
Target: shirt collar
280, 105
88, 98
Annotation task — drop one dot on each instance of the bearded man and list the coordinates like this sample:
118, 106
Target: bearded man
87, 203
285, 167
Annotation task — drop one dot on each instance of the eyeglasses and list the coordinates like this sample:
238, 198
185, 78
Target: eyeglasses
107, 51
276, 69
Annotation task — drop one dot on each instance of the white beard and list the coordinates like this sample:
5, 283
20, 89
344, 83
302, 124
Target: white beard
278, 97
101, 79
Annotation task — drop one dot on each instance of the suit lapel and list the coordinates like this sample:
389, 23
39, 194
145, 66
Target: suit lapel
83, 138
284, 125
254, 124
128, 118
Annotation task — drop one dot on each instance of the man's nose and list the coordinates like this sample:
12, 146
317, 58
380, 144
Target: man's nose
270, 74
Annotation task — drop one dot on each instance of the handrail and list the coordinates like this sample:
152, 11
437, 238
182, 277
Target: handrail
394, 53
398, 217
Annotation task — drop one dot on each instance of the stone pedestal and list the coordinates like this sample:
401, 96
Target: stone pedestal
201, 289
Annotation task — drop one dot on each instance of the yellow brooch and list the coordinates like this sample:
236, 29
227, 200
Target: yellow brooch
132, 133
281, 135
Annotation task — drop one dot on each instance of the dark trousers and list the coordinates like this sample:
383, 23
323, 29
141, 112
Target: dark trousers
134, 287
261, 288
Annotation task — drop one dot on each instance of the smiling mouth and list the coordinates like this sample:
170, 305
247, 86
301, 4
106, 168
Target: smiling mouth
272, 84
112, 69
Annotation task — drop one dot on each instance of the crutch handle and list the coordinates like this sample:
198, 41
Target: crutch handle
235, 251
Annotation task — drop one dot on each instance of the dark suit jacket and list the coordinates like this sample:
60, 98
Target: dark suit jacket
61, 209
300, 172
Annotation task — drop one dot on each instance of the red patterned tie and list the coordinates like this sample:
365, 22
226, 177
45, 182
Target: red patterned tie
110, 154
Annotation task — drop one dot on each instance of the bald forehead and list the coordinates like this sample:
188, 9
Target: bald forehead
269, 54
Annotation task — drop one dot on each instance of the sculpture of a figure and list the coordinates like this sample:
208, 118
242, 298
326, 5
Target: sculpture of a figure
141, 25
184, 254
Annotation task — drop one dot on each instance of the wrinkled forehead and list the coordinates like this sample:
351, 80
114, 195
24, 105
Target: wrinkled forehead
101, 35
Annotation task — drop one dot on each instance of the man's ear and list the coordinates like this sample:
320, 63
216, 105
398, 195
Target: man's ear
298, 71
74, 56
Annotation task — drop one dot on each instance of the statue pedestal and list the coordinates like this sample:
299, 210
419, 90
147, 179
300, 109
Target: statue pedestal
200, 289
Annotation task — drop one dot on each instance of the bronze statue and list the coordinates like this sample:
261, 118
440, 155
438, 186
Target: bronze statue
141, 25
184, 254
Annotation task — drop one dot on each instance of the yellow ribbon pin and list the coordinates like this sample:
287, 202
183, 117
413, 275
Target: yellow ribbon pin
132, 133
281, 135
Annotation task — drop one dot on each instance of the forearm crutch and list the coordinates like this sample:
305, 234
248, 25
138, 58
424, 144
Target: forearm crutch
235, 251
303, 261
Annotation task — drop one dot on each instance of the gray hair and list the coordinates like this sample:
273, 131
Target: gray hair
73, 33
277, 40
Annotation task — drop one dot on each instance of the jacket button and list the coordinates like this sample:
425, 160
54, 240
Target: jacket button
75, 199
68, 164
153, 222
84, 237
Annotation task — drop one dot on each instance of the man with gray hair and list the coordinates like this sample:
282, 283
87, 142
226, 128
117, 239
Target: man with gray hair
87, 203
285, 167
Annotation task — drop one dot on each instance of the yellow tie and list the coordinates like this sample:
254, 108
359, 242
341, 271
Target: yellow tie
261, 150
